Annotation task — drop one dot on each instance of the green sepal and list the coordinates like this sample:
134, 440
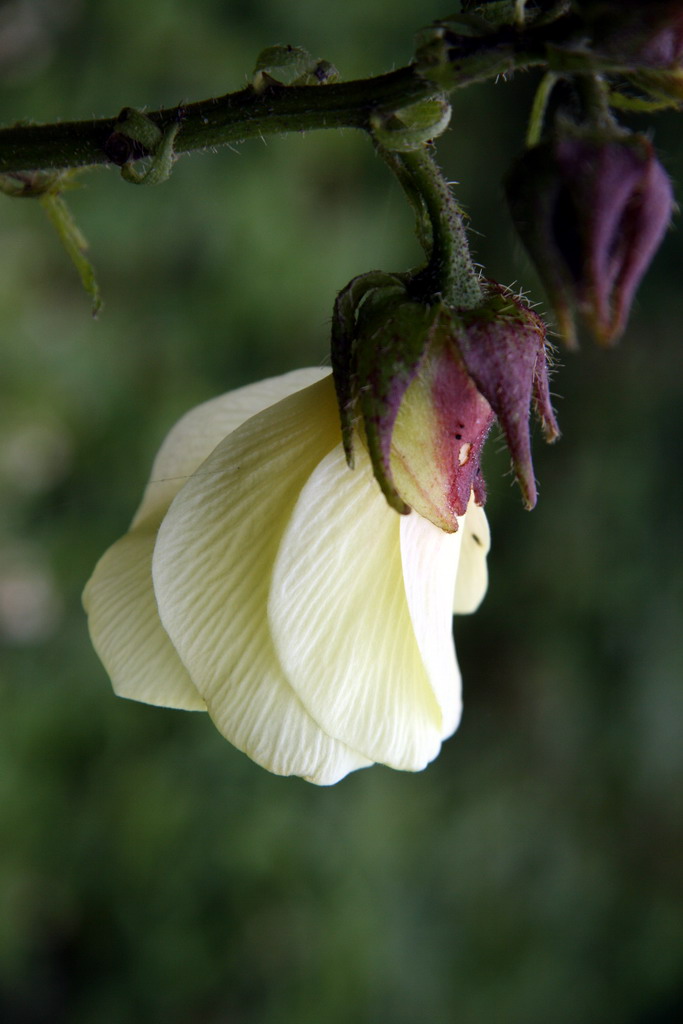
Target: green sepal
393, 336
664, 86
440, 57
640, 104
343, 346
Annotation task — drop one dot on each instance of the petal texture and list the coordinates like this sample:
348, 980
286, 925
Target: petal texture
119, 598
341, 622
198, 432
472, 579
126, 630
212, 572
430, 564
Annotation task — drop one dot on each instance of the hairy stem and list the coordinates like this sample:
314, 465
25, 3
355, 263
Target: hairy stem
450, 271
450, 61
216, 122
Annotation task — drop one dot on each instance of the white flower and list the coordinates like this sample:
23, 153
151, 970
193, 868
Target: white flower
264, 581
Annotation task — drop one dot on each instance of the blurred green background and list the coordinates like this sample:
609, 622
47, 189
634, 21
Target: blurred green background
148, 871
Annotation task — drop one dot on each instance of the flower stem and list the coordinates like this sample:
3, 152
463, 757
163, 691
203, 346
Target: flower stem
539, 106
450, 271
594, 94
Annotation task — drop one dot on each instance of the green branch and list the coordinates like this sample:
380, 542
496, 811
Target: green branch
453, 53
442, 65
450, 271
217, 122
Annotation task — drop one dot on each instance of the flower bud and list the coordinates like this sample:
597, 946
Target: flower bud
440, 426
649, 34
591, 213
428, 382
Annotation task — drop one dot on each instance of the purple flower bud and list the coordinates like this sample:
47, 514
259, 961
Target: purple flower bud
648, 34
427, 381
665, 48
506, 356
591, 214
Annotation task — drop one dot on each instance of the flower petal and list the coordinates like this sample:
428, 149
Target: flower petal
198, 432
212, 569
472, 579
430, 565
119, 598
126, 630
341, 622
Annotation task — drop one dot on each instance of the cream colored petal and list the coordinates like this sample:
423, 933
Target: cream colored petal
341, 622
126, 630
119, 598
198, 432
212, 568
430, 564
472, 579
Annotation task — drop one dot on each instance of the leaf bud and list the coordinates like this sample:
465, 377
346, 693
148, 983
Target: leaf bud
411, 127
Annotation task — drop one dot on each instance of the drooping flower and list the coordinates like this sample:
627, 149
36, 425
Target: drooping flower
592, 213
265, 582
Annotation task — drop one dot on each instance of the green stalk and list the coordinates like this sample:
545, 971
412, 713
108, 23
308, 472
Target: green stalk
450, 271
217, 122
445, 62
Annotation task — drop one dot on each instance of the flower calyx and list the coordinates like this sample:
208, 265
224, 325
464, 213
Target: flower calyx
422, 383
591, 210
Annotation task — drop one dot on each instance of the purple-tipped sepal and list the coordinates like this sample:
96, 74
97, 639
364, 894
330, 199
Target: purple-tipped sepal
426, 382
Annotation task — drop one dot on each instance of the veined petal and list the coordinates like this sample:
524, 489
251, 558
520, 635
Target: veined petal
119, 598
341, 623
430, 564
472, 579
198, 432
212, 570
126, 630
